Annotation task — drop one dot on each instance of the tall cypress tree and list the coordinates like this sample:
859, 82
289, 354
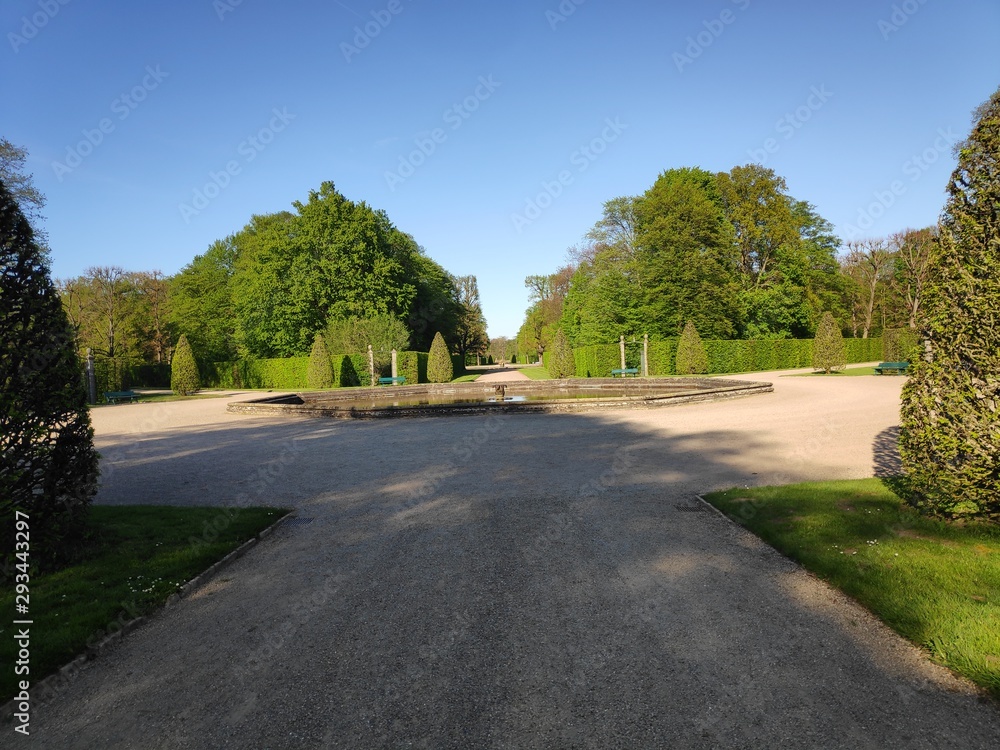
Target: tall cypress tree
950, 438
48, 465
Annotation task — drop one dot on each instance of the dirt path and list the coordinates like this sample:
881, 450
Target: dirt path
528, 581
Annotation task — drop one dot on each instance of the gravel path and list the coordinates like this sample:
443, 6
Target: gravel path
528, 581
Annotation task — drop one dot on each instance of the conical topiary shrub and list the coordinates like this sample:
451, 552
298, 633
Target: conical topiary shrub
829, 351
561, 362
950, 413
691, 358
439, 368
48, 465
184, 378
320, 372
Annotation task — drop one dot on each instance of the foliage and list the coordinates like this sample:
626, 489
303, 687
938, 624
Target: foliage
691, 356
561, 364
950, 417
470, 335
686, 256
829, 352
382, 332
201, 304
184, 377
320, 374
439, 364
21, 187
900, 345
48, 465
412, 366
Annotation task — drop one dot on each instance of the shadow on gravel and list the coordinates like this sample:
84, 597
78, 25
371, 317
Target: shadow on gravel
521, 581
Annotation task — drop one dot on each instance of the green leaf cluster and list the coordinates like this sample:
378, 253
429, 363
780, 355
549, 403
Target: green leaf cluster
829, 352
48, 464
439, 364
184, 377
691, 356
950, 416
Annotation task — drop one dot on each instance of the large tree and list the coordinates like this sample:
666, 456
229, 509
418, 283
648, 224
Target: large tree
201, 304
48, 465
470, 335
687, 256
950, 438
22, 187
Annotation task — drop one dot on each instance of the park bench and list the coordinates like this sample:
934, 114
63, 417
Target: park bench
633, 371
116, 397
392, 381
892, 368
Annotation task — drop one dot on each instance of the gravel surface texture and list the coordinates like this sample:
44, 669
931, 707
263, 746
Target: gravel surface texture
519, 581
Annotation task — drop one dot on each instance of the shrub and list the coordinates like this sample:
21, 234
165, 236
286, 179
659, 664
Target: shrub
900, 345
184, 378
48, 465
950, 415
691, 356
561, 364
320, 373
412, 366
829, 352
439, 364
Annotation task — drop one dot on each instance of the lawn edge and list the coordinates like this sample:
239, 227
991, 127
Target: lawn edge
971, 687
54, 684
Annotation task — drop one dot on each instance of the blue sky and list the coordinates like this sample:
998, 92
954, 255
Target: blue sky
491, 132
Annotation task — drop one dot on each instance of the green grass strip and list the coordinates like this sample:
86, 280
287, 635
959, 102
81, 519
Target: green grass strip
136, 557
935, 583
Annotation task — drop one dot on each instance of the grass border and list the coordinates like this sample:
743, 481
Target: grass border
55, 683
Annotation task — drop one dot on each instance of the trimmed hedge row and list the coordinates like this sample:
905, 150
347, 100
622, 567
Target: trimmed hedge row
745, 355
292, 373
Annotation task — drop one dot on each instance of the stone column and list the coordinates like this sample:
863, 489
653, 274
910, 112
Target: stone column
645, 355
394, 370
91, 378
621, 345
371, 365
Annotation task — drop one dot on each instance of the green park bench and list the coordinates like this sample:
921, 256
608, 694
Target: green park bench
392, 381
892, 368
116, 397
633, 371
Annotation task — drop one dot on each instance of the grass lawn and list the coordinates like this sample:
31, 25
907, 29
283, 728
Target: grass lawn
843, 373
136, 558
937, 584
535, 373
467, 378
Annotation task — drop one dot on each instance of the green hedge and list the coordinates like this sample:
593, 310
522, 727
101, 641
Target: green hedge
412, 366
743, 355
458, 366
349, 370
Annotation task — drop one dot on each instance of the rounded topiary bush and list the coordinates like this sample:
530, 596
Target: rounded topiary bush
48, 465
691, 357
439, 369
829, 351
184, 378
320, 373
